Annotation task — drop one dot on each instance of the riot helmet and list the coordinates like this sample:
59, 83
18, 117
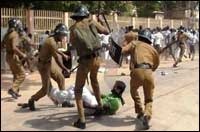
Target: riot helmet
61, 29
145, 36
16, 24
80, 12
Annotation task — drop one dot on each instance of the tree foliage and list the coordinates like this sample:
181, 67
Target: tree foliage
144, 8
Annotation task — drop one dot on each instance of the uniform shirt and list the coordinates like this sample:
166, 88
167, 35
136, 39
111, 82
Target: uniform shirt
10, 40
141, 53
182, 38
48, 50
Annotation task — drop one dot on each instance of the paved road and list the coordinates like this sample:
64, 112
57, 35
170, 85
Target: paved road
175, 107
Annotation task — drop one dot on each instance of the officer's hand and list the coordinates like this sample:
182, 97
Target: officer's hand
66, 57
25, 57
100, 18
66, 73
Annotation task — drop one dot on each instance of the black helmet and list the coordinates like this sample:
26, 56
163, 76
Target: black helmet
80, 12
61, 29
15, 23
145, 36
118, 89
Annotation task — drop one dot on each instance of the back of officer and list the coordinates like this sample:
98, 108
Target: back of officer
47, 67
84, 38
144, 60
13, 53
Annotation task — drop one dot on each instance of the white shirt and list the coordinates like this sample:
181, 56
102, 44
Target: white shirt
104, 38
68, 94
158, 38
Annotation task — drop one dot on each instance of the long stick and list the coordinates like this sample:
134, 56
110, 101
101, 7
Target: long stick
169, 45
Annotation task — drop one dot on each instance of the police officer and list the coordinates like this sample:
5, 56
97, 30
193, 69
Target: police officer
181, 37
144, 60
83, 37
11, 43
47, 68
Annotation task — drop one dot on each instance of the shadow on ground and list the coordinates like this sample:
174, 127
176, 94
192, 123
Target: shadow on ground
59, 120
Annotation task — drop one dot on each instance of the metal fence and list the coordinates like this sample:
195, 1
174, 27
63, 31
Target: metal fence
43, 20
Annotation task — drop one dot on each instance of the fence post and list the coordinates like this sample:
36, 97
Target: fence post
94, 17
115, 21
148, 22
133, 22
172, 24
30, 20
161, 23
66, 19
181, 23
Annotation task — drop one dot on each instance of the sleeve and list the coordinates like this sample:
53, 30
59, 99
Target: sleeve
53, 49
127, 48
130, 36
100, 28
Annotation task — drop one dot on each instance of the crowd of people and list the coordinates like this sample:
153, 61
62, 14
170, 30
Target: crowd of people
161, 38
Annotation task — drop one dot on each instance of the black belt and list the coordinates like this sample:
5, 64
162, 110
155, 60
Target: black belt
48, 61
90, 56
143, 66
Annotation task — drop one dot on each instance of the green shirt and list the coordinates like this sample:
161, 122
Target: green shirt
112, 101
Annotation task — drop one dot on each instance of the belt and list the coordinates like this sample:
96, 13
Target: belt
143, 66
90, 56
48, 61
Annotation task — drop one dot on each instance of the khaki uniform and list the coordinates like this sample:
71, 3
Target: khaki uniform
142, 53
48, 68
91, 65
10, 40
182, 45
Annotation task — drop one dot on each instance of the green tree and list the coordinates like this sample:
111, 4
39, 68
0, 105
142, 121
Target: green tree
146, 8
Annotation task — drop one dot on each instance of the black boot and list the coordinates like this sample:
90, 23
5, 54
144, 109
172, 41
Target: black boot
67, 104
140, 115
79, 124
31, 105
146, 120
12, 93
